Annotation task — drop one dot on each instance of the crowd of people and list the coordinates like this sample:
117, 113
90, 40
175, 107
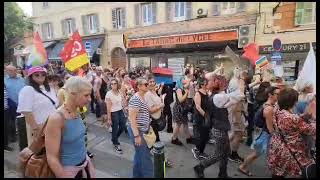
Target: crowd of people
277, 121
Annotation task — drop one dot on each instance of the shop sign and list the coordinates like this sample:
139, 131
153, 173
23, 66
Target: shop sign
288, 48
184, 39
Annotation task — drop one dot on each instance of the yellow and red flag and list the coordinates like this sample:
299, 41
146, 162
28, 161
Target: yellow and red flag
74, 54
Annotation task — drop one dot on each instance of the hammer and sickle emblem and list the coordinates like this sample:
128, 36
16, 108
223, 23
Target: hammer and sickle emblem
76, 48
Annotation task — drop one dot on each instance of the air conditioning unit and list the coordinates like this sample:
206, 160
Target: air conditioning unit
246, 35
202, 13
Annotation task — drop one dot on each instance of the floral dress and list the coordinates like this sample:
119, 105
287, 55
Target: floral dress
280, 160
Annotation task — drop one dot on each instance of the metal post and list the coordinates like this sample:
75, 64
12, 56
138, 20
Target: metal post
22, 132
158, 160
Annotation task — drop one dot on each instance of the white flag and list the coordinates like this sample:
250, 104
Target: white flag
308, 72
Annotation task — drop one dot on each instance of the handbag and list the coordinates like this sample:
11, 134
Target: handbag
307, 172
161, 122
150, 137
33, 159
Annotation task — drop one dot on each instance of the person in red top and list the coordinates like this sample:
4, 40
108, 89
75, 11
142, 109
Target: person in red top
289, 131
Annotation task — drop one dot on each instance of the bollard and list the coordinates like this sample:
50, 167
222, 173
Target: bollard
22, 132
158, 154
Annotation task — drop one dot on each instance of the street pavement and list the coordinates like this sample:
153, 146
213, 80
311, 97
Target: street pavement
109, 164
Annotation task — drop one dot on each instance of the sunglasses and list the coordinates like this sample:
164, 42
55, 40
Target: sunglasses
145, 84
113, 83
39, 74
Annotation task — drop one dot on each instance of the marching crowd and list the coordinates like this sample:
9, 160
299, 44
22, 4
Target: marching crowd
277, 121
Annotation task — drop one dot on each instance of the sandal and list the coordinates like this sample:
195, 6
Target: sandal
247, 173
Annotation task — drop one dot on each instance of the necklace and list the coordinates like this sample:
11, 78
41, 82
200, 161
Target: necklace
69, 112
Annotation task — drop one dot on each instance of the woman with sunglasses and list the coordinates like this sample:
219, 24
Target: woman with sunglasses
115, 114
36, 101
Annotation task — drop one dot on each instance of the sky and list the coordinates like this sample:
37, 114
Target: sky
26, 7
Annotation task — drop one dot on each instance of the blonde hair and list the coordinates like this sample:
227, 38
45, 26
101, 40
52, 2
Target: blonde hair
77, 84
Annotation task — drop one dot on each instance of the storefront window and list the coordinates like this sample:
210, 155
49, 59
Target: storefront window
140, 62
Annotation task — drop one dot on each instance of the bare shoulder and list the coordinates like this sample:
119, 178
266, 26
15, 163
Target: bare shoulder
55, 120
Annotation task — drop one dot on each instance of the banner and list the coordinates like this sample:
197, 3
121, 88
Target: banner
74, 53
38, 55
308, 73
251, 52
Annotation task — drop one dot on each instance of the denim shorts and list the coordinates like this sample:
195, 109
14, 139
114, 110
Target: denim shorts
261, 143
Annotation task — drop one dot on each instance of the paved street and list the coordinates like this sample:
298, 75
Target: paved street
110, 164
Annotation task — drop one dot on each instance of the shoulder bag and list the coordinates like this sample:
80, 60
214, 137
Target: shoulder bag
307, 172
150, 137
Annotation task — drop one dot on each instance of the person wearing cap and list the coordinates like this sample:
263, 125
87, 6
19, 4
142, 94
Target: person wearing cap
36, 101
13, 84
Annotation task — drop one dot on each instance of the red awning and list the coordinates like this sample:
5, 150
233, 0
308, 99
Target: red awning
164, 71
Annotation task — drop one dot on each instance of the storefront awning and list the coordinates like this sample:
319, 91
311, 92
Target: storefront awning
53, 54
216, 23
48, 44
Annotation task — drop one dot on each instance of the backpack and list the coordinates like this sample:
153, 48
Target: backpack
258, 119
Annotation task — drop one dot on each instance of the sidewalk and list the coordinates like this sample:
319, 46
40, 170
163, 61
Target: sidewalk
109, 164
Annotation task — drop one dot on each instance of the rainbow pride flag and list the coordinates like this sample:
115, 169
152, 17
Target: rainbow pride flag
38, 55
262, 61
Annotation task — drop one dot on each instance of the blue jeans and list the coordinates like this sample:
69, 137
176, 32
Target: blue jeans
142, 163
118, 126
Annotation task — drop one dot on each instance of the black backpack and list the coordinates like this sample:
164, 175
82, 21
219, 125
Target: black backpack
258, 119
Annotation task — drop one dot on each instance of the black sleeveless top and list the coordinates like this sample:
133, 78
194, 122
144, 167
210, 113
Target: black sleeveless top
218, 116
199, 119
103, 89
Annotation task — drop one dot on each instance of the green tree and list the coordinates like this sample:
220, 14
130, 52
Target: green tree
15, 24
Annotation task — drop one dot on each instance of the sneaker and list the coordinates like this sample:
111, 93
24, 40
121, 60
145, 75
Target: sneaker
118, 149
176, 142
203, 156
223, 176
198, 169
91, 155
8, 149
195, 153
234, 157
212, 141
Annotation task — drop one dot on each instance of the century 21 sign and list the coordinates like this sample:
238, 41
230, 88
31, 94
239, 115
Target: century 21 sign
183, 39
298, 47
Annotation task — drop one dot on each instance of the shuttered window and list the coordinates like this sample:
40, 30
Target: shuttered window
47, 31
305, 13
90, 23
118, 18
147, 14
179, 11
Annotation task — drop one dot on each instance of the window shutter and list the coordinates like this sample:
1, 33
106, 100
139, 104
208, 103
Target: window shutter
63, 27
137, 14
169, 13
189, 10
216, 8
154, 12
241, 6
114, 18
85, 25
96, 22
123, 18
43, 31
73, 23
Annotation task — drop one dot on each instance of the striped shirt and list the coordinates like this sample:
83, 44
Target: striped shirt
5, 98
143, 117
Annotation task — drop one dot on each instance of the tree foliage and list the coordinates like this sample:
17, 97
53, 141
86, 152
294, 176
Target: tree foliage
15, 24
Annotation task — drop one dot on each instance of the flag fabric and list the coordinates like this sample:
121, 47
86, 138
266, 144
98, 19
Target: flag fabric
308, 73
74, 54
251, 53
262, 62
38, 55
164, 71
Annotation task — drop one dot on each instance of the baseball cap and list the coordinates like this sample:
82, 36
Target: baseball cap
36, 69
